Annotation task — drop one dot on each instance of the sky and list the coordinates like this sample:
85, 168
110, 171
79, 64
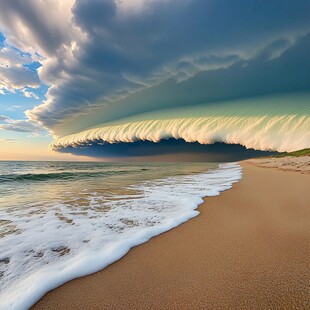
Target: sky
78, 74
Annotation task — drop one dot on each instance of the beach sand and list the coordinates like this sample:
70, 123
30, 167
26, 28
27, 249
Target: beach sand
248, 249
298, 164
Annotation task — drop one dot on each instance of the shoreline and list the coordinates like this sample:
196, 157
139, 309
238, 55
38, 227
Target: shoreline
230, 256
180, 207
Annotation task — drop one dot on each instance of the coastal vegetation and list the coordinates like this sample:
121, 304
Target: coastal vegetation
299, 153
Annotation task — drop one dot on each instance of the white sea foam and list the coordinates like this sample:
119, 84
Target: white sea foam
46, 248
282, 133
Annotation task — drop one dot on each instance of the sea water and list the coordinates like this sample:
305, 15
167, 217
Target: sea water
63, 220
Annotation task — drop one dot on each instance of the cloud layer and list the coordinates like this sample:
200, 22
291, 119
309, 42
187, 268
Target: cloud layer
105, 60
278, 133
99, 52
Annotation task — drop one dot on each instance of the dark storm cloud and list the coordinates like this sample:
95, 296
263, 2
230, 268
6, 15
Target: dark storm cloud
167, 150
131, 59
258, 77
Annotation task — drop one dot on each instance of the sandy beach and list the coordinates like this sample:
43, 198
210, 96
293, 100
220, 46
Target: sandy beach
248, 249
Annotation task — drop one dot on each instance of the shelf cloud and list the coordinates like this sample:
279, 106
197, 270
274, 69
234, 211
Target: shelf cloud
121, 71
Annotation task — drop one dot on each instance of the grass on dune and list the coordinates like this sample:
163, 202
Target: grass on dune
304, 152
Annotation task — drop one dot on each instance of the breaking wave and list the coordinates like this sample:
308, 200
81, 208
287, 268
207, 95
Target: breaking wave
282, 133
62, 176
55, 232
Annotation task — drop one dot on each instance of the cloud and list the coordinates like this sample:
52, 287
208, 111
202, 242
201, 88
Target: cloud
38, 26
14, 107
11, 57
266, 133
115, 68
16, 78
265, 123
8, 140
19, 125
4, 118
101, 55
167, 150
30, 94
15, 72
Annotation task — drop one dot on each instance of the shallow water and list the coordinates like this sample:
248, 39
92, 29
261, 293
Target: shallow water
62, 220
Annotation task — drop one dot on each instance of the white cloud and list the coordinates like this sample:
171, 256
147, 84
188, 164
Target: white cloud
11, 57
19, 125
14, 107
30, 94
39, 27
15, 75
16, 78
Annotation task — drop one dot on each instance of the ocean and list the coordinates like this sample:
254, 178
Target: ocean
63, 220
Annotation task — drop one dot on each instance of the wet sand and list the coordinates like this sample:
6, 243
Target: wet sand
248, 249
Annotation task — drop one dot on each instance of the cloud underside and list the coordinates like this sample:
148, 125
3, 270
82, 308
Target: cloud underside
167, 150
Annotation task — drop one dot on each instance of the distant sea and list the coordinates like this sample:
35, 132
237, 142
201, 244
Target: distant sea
63, 220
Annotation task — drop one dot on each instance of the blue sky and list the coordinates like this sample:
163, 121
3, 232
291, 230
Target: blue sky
16, 98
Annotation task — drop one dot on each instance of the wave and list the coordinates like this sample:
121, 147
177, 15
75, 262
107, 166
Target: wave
282, 133
61, 175
47, 247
